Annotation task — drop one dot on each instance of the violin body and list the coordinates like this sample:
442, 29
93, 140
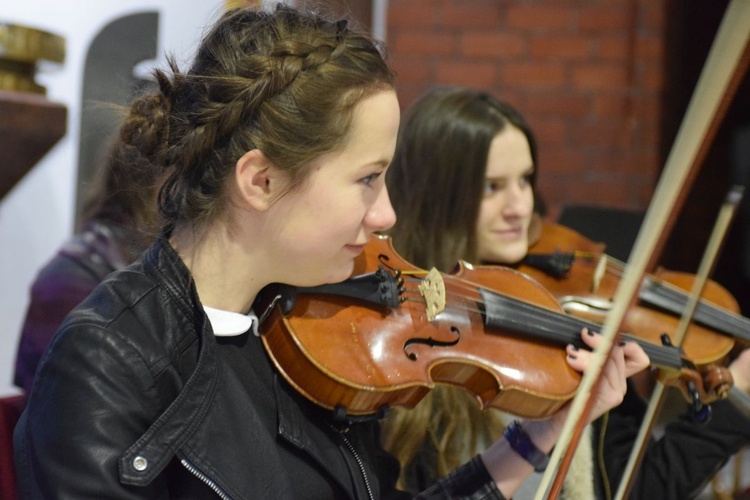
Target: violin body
587, 290
363, 358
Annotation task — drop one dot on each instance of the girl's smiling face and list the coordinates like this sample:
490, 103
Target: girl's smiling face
508, 199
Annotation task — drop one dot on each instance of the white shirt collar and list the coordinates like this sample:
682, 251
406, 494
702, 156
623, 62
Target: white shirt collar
229, 324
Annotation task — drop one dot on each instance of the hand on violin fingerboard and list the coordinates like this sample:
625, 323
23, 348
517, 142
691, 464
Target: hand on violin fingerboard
625, 360
505, 464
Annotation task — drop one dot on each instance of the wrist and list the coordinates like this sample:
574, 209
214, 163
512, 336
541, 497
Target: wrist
521, 443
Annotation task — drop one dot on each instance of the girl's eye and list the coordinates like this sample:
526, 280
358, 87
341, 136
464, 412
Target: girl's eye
491, 187
370, 178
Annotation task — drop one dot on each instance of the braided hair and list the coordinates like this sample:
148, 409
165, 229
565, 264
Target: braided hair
277, 80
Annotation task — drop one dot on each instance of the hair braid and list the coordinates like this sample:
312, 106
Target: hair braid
281, 81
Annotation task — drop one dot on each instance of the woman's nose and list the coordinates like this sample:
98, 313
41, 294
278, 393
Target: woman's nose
381, 215
518, 200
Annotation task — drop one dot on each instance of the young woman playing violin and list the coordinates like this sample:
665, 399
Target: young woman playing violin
462, 185
157, 385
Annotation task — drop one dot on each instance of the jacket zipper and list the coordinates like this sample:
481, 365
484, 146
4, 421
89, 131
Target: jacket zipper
358, 460
208, 481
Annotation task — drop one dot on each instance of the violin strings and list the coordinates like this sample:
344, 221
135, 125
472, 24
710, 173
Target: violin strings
707, 313
543, 322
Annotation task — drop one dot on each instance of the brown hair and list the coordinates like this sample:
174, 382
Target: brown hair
277, 80
436, 181
438, 171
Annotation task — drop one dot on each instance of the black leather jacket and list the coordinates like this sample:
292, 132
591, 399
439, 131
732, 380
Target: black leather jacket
136, 398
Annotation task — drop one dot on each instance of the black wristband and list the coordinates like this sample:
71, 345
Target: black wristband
522, 444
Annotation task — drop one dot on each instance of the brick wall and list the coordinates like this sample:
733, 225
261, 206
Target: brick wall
587, 75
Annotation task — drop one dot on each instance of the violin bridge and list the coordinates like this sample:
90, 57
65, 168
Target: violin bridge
432, 289
601, 267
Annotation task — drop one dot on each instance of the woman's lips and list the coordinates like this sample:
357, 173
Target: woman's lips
509, 233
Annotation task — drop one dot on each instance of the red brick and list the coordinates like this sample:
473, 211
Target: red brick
628, 162
536, 74
481, 15
423, 4
649, 48
551, 131
561, 46
651, 77
606, 18
597, 113
492, 44
425, 43
646, 134
412, 70
653, 15
560, 160
540, 17
604, 76
648, 165
648, 104
604, 133
609, 192
603, 166
410, 15
473, 74
614, 48
610, 105
560, 103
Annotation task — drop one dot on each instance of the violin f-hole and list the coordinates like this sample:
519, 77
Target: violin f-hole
430, 342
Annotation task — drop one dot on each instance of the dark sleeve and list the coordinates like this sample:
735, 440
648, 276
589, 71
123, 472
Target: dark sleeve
683, 460
60, 286
94, 396
471, 481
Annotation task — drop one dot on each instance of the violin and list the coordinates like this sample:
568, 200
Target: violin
393, 331
583, 278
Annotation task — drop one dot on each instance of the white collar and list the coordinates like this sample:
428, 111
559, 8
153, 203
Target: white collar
229, 324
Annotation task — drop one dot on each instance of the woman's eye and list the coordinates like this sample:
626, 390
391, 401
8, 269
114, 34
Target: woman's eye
370, 179
491, 187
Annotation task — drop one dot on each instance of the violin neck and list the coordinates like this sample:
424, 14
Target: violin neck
661, 295
508, 315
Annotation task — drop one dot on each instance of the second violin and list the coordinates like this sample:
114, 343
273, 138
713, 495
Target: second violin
583, 278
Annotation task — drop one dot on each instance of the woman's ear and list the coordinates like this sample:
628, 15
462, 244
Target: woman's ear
258, 180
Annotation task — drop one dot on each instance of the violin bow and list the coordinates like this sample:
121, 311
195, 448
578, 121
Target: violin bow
721, 75
726, 214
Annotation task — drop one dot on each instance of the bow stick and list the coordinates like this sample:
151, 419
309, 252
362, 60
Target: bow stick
720, 77
726, 214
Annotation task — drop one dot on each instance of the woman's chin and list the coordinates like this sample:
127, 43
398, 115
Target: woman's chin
341, 274
509, 255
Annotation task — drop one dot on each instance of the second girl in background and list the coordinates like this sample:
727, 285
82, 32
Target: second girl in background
462, 184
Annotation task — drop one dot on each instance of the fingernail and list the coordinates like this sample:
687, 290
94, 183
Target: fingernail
570, 356
574, 347
590, 333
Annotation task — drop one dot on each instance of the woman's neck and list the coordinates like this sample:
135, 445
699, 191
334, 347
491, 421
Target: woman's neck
223, 266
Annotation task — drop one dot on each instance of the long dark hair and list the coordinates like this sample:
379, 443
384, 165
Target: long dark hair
438, 172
